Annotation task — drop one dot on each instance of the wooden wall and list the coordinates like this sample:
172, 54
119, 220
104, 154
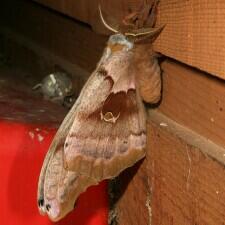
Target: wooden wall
194, 32
182, 179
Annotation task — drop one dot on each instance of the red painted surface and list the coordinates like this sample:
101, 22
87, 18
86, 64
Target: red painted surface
22, 150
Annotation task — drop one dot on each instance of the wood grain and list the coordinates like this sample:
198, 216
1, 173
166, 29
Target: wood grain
194, 99
131, 208
188, 187
194, 32
196, 140
87, 10
60, 35
177, 181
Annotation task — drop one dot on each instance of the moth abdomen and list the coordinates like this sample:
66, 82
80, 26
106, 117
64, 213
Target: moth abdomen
147, 73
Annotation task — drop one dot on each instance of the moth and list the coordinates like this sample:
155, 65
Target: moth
105, 131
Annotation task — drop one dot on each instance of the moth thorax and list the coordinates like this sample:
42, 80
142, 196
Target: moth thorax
119, 42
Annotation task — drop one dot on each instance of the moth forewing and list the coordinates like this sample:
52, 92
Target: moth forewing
57, 144
62, 187
108, 135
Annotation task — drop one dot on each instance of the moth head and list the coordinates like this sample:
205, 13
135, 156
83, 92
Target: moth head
134, 30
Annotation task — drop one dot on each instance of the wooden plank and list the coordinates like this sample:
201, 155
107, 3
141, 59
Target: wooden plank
131, 208
81, 10
26, 55
189, 136
178, 183
87, 10
194, 99
188, 187
194, 33
58, 34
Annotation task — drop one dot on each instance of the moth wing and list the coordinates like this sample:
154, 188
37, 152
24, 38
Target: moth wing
58, 188
59, 139
109, 130
61, 187
56, 146
109, 136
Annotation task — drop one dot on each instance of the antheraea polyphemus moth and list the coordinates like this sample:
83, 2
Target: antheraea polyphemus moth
105, 131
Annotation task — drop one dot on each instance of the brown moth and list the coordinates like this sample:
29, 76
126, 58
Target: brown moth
104, 132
